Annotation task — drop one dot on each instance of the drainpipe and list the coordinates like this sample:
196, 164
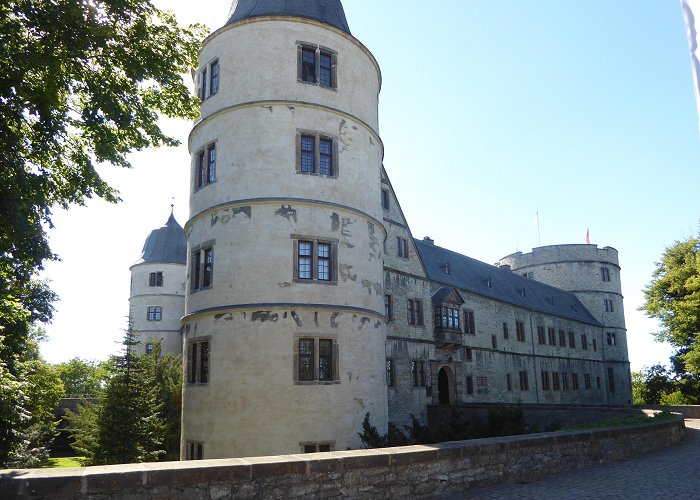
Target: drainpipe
534, 358
605, 368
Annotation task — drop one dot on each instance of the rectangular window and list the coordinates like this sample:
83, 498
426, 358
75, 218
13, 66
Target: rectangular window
194, 450
469, 325
418, 373
388, 308
587, 380
415, 312
555, 381
390, 376
595, 346
326, 69
402, 247
611, 338
494, 342
154, 313
574, 381
565, 381
306, 360
211, 164
545, 381
315, 261
604, 274
505, 331
562, 338
608, 304
447, 317
202, 271
611, 379
205, 169
523, 381
572, 340
541, 338
308, 154
509, 382
597, 380
208, 267
385, 199
316, 360
317, 447
584, 342
520, 331
551, 334
149, 348
155, 279
308, 65
214, 78
198, 362
470, 385
468, 354
325, 164
203, 85
317, 66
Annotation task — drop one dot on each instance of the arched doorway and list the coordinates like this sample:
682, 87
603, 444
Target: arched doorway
443, 386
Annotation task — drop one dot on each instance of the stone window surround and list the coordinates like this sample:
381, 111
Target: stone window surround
335, 357
194, 448
335, 160
207, 245
203, 178
317, 445
205, 79
199, 368
296, 238
318, 49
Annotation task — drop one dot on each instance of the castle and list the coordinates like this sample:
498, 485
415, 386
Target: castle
297, 292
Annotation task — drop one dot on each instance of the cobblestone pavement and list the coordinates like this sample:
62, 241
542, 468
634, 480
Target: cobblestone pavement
673, 473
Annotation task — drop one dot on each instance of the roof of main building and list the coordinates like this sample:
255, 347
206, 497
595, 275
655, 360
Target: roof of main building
326, 11
165, 245
462, 272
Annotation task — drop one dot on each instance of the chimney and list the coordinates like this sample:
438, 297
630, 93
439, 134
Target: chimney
428, 240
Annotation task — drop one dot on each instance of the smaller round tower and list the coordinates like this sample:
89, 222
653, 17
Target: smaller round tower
157, 296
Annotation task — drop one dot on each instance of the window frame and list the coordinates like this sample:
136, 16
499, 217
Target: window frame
194, 450
523, 379
205, 165
386, 203
198, 366
611, 338
541, 335
312, 72
415, 312
155, 279
520, 331
316, 260
402, 247
390, 372
608, 305
605, 274
388, 307
201, 271
551, 336
303, 136
154, 313
206, 87
505, 331
469, 322
418, 373
317, 358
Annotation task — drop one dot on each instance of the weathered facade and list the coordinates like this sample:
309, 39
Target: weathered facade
308, 301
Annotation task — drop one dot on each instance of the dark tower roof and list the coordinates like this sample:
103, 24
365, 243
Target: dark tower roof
165, 245
326, 11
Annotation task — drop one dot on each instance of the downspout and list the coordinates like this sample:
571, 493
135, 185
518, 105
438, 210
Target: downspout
534, 358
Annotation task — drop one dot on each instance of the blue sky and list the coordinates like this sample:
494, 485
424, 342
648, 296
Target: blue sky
582, 111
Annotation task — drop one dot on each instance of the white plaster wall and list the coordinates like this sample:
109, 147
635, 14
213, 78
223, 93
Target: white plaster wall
171, 297
251, 405
258, 61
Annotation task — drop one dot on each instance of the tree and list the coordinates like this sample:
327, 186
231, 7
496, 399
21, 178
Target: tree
137, 418
82, 378
82, 82
673, 297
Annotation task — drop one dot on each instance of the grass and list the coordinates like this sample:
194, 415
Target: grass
622, 421
58, 462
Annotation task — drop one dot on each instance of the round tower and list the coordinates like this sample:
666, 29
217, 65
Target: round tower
157, 296
590, 273
284, 325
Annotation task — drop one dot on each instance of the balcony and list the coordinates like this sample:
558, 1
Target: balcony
446, 338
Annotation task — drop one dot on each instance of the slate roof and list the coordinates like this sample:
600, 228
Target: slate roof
472, 275
326, 11
165, 245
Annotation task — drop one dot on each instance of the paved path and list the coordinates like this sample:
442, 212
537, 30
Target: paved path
673, 473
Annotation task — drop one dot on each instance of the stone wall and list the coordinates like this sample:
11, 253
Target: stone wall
386, 473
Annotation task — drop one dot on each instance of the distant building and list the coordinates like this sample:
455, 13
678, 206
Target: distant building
157, 296
309, 303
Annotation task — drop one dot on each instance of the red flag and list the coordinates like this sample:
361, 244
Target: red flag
588, 237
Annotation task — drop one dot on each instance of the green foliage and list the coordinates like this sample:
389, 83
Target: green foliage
502, 421
673, 297
137, 418
83, 378
639, 390
81, 83
27, 400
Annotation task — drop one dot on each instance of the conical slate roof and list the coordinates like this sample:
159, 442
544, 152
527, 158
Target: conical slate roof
165, 245
326, 11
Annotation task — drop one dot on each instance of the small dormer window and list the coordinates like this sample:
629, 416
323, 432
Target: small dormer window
489, 283
522, 292
446, 268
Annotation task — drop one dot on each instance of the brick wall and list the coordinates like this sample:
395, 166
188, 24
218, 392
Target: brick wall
386, 473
